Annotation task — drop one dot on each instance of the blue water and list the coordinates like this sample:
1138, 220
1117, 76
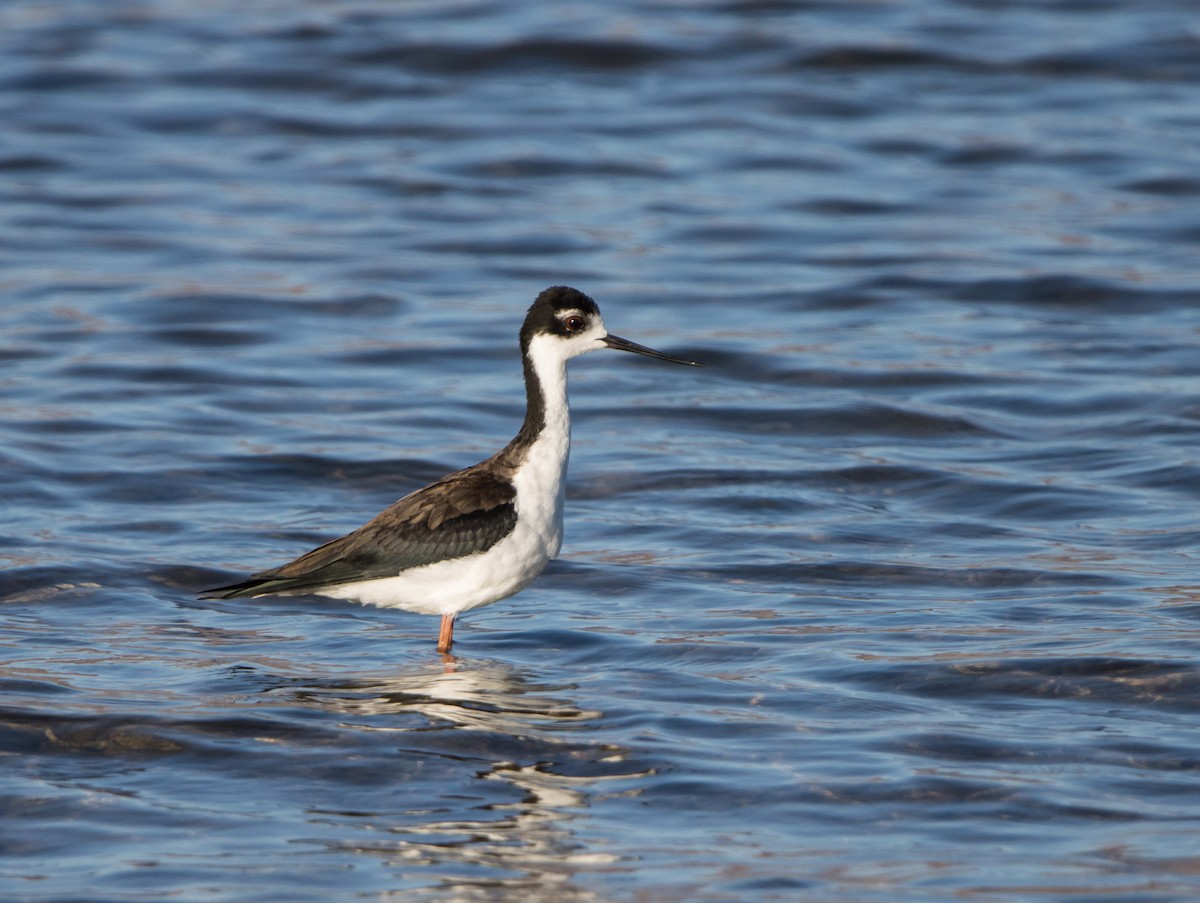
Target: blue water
897, 600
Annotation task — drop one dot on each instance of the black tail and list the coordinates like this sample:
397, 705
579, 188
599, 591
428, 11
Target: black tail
255, 586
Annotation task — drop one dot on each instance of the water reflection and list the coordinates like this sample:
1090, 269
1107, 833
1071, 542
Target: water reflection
512, 731
488, 696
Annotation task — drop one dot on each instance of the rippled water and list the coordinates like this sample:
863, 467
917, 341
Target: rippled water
898, 600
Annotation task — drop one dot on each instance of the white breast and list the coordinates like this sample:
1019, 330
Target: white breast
509, 566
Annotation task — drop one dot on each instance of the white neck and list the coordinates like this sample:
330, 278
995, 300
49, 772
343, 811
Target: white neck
549, 365
540, 478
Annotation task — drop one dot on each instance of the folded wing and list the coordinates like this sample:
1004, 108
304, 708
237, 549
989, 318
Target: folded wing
462, 514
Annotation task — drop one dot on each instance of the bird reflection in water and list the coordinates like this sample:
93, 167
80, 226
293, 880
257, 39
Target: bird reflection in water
519, 734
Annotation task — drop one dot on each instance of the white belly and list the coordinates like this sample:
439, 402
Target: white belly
459, 584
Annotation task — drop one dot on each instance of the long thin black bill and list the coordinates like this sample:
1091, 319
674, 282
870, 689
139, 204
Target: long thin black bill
620, 344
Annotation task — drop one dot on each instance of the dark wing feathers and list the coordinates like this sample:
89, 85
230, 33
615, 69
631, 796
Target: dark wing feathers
464, 513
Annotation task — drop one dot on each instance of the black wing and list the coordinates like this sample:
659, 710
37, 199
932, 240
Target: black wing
467, 512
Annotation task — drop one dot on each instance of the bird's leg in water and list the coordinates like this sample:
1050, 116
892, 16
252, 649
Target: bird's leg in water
446, 635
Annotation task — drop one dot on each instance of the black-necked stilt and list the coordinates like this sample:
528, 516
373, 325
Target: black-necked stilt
480, 534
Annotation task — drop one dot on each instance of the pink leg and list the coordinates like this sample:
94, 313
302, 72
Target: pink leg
446, 635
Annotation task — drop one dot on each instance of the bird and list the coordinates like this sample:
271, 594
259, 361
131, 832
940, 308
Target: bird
480, 534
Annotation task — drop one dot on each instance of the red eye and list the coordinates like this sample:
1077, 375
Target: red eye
573, 323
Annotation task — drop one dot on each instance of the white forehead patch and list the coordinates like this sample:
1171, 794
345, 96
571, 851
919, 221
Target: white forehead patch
554, 350
595, 324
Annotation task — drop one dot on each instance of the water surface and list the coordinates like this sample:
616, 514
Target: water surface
897, 600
